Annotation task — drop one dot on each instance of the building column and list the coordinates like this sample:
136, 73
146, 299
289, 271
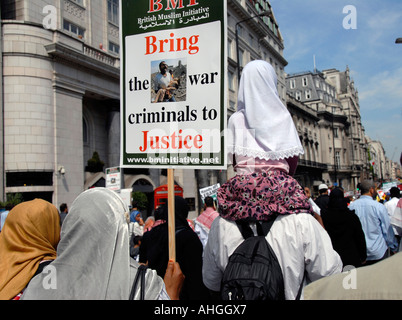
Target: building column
68, 146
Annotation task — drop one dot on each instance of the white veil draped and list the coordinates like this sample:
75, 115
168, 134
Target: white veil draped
262, 127
93, 260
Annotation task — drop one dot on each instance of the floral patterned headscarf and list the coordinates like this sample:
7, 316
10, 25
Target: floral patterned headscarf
260, 195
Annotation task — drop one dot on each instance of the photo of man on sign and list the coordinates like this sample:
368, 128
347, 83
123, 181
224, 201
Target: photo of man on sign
169, 82
173, 84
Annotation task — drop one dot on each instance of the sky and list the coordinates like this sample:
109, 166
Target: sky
360, 34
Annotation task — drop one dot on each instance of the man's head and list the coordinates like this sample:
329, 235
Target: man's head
323, 188
163, 67
209, 202
368, 188
395, 192
63, 208
307, 192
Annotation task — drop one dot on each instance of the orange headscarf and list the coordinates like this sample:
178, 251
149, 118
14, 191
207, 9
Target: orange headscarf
30, 235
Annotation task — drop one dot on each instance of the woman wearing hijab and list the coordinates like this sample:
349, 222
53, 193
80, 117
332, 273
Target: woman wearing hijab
155, 252
264, 147
93, 260
28, 243
345, 230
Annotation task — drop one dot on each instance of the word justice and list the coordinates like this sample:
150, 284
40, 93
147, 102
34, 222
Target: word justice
174, 141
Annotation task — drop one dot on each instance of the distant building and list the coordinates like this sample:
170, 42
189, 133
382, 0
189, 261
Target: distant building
349, 98
332, 128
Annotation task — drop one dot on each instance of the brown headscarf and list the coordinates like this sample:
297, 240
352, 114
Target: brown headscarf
30, 235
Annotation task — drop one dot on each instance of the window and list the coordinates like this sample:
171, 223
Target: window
337, 159
304, 82
114, 48
336, 133
298, 95
30, 178
240, 31
113, 11
230, 48
308, 94
232, 105
241, 59
275, 29
292, 83
73, 28
269, 24
230, 80
251, 42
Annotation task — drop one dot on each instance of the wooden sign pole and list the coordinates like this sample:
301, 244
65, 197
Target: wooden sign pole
171, 216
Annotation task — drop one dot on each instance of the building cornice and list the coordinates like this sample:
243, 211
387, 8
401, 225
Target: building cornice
89, 58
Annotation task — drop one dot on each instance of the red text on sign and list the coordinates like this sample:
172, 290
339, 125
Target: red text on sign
155, 45
174, 141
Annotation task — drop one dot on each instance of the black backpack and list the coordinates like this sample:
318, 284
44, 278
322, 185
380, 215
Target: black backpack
253, 271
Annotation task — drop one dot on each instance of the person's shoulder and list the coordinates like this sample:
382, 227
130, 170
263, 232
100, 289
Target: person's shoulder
303, 216
292, 224
222, 223
377, 205
356, 202
187, 233
381, 208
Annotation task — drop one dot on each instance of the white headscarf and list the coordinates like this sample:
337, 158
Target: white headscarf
93, 260
262, 127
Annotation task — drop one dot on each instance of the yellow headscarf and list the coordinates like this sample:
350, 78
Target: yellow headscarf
30, 235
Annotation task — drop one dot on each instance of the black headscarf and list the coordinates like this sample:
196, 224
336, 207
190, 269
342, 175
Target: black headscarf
181, 210
344, 229
154, 249
337, 200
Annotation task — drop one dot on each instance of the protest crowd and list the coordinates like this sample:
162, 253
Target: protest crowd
297, 247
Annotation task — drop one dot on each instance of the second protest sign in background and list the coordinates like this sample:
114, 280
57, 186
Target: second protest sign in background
182, 125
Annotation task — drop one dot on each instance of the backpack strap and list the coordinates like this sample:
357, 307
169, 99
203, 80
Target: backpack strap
263, 227
266, 226
301, 287
245, 230
140, 276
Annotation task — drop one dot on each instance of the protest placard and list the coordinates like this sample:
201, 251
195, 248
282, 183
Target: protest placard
211, 191
173, 87
173, 82
113, 178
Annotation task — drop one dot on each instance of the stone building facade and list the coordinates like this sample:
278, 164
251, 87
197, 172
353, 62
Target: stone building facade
334, 137
60, 96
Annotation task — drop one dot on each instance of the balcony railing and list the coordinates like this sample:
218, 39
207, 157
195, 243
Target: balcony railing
313, 164
101, 56
340, 168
